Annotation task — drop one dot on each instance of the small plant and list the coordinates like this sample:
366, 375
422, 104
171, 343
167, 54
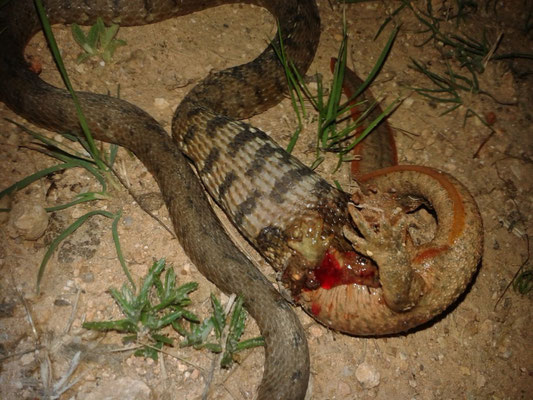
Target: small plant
227, 340
331, 112
465, 57
145, 318
448, 88
99, 42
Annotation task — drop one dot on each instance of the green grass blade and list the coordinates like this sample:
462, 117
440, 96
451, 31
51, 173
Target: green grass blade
123, 325
57, 57
81, 164
61, 237
250, 344
390, 18
53, 144
81, 198
377, 66
35, 177
120, 255
386, 112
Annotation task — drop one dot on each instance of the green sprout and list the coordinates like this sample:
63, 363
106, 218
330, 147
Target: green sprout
99, 42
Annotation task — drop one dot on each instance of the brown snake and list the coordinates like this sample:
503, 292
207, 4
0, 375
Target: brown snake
292, 216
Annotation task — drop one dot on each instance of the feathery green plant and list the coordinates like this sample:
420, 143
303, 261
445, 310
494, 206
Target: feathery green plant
198, 334
145, 318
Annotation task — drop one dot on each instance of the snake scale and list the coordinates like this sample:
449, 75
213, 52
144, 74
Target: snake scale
297, 221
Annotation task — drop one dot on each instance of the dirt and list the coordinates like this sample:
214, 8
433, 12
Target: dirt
480, 348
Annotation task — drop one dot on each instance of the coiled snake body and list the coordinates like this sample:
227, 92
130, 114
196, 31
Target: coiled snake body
292, 216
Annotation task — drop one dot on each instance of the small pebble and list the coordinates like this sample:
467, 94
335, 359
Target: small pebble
27, 358
344, 390
367, 376
408, 102
28, 220
195, 374
316, 331
59, 302
481, 381
161, 103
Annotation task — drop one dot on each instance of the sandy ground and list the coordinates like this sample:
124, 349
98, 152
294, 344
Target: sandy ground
481, 349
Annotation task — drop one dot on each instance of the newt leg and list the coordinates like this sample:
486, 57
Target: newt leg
385, 242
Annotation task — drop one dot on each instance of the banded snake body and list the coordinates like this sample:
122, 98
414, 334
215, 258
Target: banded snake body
293, 217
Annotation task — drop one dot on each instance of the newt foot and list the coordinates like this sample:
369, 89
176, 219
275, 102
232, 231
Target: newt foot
386, 242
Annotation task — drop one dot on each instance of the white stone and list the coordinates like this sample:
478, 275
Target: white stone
367, 376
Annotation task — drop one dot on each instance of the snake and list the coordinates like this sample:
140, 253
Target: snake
347, 259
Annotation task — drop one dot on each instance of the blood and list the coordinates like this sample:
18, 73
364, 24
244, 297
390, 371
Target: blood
345, 268
316, 308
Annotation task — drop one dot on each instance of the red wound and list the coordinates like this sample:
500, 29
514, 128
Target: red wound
316, 308
344, 269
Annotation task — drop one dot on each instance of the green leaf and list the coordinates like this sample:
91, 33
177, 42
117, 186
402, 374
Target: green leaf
169, 318
35, 177
107, 35
118, 248
149, 352
78, 35
162, 339
82, 57
80, 198
95, 33
219, 317
61, 66
123, 325
214, 347
197, 334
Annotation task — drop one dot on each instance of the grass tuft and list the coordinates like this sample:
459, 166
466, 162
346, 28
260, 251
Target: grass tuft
464, 56
331, 138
